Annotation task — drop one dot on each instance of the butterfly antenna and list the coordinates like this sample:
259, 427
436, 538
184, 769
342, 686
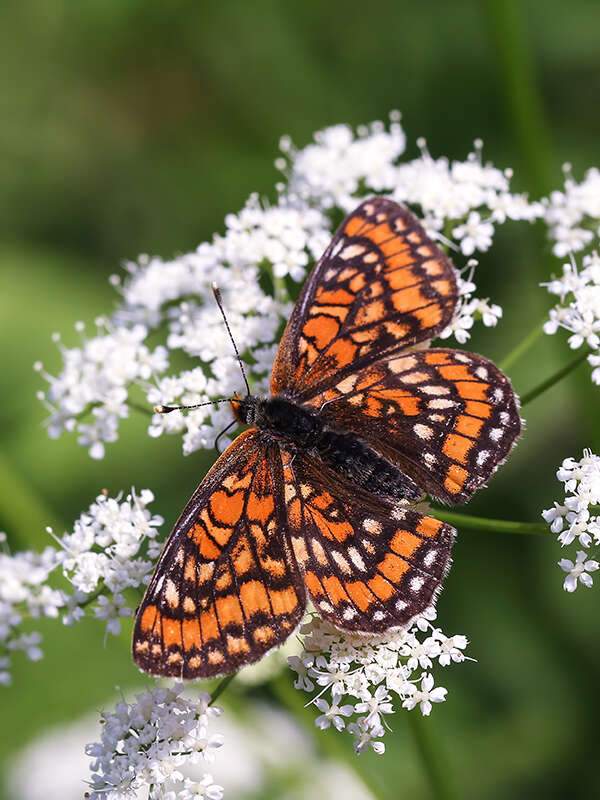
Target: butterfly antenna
168, 409
219, 300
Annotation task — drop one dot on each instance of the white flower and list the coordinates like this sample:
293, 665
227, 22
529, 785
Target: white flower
332, 713
475, 234
425, 695
199, 790
578, 571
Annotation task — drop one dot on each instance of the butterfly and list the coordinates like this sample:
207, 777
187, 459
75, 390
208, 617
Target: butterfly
316, 499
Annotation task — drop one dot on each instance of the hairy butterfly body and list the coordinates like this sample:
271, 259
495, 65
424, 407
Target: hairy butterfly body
316, 499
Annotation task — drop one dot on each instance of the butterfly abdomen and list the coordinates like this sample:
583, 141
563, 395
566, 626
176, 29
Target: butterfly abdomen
364, 466
344, 453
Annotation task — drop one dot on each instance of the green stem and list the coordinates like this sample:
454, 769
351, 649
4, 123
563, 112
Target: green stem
143, 409
555, 378
434, 763
22, 511
330, 742
523, 346
520, 86
221, 686
491, 525
281, 292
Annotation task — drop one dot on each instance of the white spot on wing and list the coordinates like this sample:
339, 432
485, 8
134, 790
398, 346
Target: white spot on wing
423, 431
441, 403
356, 558
351, 251
482, 457
435, 389
372, 526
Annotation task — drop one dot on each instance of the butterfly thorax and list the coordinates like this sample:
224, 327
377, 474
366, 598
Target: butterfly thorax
344, 452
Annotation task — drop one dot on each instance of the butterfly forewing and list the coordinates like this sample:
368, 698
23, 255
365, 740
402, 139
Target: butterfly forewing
226, 589
381, 285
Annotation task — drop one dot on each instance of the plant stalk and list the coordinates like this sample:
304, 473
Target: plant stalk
555, 377
434, 762
467, 522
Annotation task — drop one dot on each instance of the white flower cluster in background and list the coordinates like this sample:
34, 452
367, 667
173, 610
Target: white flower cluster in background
112, 548
263, 252
575, 520
573, 215
24, 594
145, 745
578, 310
355, 677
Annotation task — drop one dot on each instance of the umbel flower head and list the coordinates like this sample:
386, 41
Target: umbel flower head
147, 744
258, 263
354, 678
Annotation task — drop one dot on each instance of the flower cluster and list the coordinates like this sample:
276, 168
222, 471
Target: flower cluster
95, 379
264, 251
24, 593
356, 676
574, 520
101, 557
578, 310
573, 215
146, 744
111, 549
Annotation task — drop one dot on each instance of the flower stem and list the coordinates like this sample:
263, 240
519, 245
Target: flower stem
523, 346
329, 742
221, 686
491, 525
281, 293
520, 86
555, 378
436, 766
22, 508
143, 409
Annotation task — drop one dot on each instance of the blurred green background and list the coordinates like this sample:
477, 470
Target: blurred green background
130, 127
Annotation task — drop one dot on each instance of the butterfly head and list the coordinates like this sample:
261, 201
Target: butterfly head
245, 409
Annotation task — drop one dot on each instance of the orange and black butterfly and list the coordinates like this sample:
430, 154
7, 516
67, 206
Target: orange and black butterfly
316, 499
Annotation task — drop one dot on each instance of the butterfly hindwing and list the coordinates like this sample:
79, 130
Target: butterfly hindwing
381, 285
226, 589
369, 564
446, 418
